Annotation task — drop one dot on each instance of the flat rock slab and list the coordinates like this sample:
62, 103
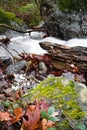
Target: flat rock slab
64, 55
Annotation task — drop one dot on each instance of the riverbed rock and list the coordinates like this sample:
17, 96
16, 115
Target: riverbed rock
2, 84
61, 24
16, 67
82, 92
5, 60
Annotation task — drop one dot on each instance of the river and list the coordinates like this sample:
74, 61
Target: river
30, 44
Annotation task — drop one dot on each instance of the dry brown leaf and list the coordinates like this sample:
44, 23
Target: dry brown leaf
33, 115
18, 114
47, 124
5, 116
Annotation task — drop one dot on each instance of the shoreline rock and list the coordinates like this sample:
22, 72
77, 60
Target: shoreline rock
61, 24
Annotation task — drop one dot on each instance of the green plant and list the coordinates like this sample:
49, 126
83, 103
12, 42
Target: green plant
31, 14
61, 93
12, 18
3, 17
51, 128
81, 127
48, 115
8, 18
74, 5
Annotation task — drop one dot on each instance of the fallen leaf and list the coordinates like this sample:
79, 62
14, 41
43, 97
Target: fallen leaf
44, 105
33, 118
18, 112
76, 69
18, 94
5, 116
47, 124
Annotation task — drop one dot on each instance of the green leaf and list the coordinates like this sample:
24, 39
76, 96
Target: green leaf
51, 110
81, 127
44, 114
51, 128
7, 103
54, 119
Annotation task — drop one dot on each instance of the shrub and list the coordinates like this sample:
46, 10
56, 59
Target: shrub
73, 5
3, 17
31, 14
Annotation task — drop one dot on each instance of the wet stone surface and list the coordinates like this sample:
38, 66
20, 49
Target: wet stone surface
16, 67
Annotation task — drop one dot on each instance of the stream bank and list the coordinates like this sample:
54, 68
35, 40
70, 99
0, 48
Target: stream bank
31, 66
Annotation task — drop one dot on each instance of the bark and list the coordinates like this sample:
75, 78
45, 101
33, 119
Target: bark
63, 56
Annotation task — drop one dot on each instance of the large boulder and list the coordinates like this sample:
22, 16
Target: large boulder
63, 25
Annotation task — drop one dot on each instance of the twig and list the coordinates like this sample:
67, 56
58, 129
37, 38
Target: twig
9, 53
69, 120
7, 50
16, 51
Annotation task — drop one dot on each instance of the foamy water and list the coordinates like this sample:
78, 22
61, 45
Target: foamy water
30, 44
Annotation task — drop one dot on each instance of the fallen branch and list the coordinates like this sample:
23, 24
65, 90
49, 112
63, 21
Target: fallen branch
21, 31
69, 120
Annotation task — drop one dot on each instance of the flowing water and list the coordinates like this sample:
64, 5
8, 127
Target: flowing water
30, 44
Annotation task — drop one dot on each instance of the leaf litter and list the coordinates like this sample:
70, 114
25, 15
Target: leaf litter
24, 115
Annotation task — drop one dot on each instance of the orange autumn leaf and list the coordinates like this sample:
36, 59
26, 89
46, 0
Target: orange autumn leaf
33, 118
5, 116
76, 70
47, 124
18, 94
18, 114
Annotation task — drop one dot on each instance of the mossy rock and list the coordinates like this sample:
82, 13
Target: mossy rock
8, 18
62, 94
12, 18
3, 19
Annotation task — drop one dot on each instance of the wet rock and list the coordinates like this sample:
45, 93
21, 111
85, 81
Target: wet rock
63, 25
16, 67
42, 67
82, 92
69, 76
5, 60
7, 91
3, 83
37, 35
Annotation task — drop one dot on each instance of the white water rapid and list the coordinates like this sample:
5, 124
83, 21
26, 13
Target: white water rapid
30, 44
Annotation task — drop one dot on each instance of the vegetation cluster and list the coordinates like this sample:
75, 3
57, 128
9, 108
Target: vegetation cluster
72, 6
62, 94
19, 13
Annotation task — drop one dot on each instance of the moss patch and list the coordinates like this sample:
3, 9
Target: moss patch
62, 94
8, 18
